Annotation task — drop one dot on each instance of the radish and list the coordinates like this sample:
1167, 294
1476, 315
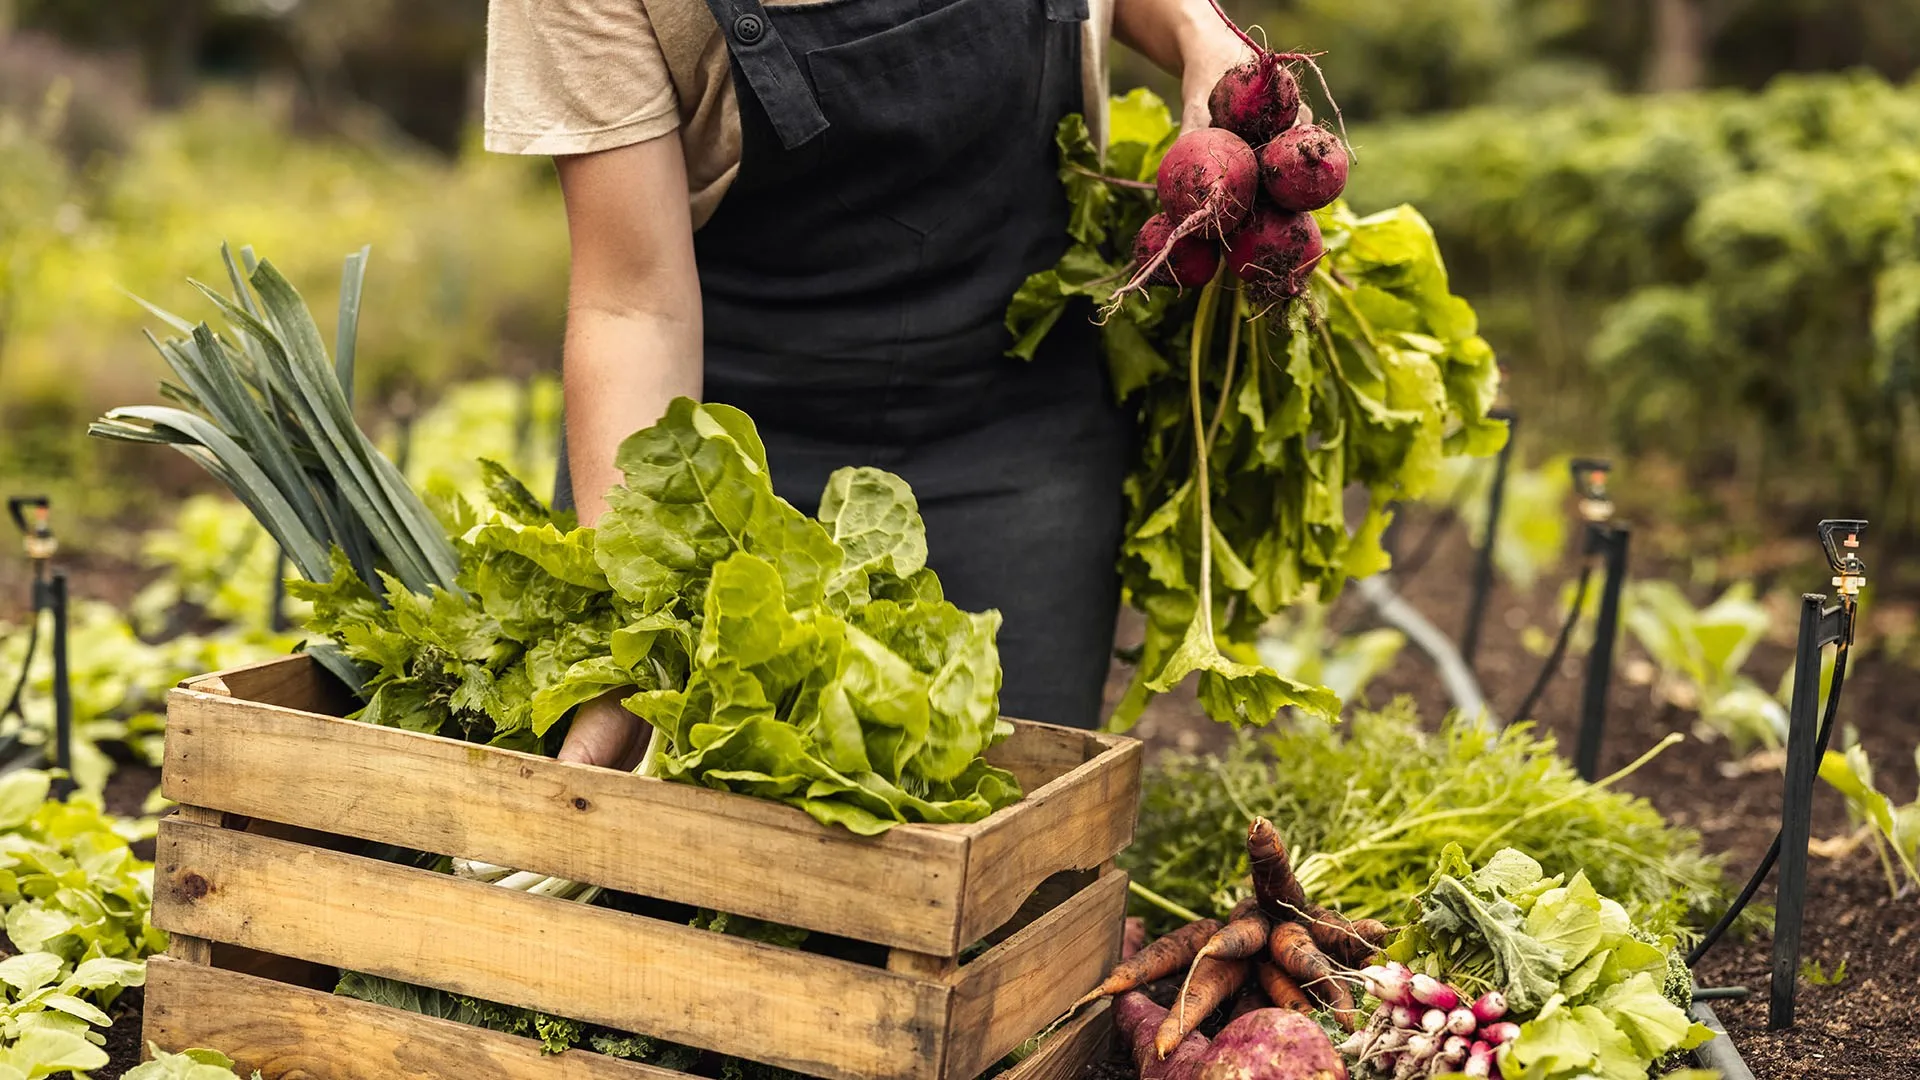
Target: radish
1421, 1047
1272, 1044
1490, 1007
1304, 168
1428, 990
1453, 1051
1207, 184
1273, 253
1433, 1022
1461, 1022
1502, 1033
1386, 984
1478, 1064
1191, 260
1403, 1017
1259, 98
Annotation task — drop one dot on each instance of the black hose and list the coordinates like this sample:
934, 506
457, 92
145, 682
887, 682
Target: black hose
1773, 850
1559, 645
26, 668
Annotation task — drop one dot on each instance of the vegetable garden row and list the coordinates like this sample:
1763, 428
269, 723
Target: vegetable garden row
836, 858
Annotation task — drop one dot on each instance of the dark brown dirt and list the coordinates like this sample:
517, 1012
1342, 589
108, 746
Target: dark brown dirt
1868, 1024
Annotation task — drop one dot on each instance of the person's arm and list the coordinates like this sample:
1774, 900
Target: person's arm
633, 304
1187, 38
633, 345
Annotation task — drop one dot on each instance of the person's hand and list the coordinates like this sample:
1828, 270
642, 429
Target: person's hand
1205, 55
605, 733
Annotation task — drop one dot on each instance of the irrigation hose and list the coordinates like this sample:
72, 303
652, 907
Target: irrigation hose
1773, 850
26, 669
1559, 652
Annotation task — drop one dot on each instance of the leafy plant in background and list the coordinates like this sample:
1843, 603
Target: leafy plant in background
1533, 516
1700, 653
1370, 384
1367, 813
119, 683
197, 1064
1893, 829
1685, 269
1299, 642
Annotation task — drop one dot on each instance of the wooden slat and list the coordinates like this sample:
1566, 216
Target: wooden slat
289, 1032
674, 842
1086, 1038
813, 1014
1041, 753
295, 682
1033, 977
1076, 822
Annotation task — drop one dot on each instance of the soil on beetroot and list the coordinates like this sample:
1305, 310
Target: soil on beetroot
1867, 1023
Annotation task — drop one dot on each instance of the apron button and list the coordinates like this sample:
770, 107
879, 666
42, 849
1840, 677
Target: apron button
749, 29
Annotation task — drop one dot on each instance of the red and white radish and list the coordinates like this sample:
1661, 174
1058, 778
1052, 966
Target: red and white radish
1490, 1006
1304, 168
1428, 990
1461, 1022
1500, 1034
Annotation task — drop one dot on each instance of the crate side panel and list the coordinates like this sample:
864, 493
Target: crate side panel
1076, 822
674, 842
1085, 1039
1039, 754
1026, 982
290, 1031
779, 1006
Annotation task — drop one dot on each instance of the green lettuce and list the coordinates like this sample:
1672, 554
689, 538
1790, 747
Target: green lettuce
1588, 991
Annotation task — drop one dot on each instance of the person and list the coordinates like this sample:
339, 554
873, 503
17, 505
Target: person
817, 212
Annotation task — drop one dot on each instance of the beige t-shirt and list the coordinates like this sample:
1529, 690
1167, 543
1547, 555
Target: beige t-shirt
575, 76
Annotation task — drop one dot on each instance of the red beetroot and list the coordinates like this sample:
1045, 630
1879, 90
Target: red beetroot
1272, 1044
1256, 99
1274, 252
1138, 1019
1209, 172
1304, 169
1192, 260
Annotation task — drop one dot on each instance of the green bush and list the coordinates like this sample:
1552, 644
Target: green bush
1736, 277
468, 265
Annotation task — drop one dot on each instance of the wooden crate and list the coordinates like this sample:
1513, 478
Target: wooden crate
259, 878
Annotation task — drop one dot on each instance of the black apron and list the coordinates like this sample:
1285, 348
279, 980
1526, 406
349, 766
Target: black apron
898, 181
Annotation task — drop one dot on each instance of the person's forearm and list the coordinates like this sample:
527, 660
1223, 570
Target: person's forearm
1185, 38
621, 371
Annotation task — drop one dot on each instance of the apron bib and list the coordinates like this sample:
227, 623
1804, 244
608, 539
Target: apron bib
898, 181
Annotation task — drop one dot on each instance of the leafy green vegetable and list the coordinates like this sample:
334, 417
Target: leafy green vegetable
810, 661
1371, 383
1366, 814
197, 1064
1586, 990
1700, 652
1892, 828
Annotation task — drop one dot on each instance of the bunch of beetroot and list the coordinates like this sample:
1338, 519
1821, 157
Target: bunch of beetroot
1243, 188
1424, 1027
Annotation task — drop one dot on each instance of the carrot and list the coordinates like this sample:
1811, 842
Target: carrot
1156, 961
1278, 891
1244, 935
1281, 989
1211, 982
1292, 948
1341, 938
1133, 937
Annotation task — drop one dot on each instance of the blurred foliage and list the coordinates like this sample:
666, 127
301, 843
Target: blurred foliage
1731, 280
469, 259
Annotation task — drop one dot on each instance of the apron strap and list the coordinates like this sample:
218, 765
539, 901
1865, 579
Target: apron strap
1064, 11
771, 70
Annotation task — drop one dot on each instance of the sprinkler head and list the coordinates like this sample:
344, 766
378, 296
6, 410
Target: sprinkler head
33, 516
1590, 483
1840, 538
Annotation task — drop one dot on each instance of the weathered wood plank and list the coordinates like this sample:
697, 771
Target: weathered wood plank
294, 682
1076, 822
288, 1032
674, 842
1032, 978
1041, 754
809, 1013
1085, 1038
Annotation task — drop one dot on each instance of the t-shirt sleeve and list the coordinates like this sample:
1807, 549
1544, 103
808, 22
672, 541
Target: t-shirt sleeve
574, 76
